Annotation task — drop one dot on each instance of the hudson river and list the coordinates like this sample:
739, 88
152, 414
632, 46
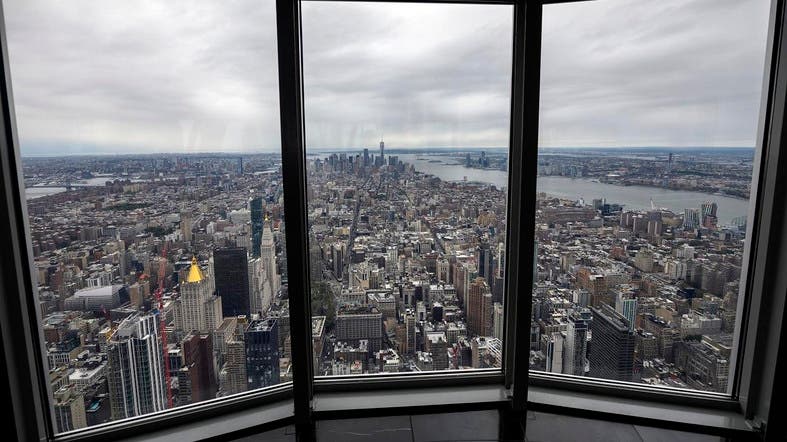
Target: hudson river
632, 197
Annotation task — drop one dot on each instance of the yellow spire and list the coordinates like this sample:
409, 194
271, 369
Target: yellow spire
195, 273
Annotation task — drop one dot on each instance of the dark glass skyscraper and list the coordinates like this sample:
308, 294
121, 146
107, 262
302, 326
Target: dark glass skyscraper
257, 220
232, 280
612, 356
484, 262
262, 353
197, 369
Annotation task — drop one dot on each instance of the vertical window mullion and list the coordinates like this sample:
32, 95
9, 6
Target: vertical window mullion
761, 343
23, 350
288, 22
524, 151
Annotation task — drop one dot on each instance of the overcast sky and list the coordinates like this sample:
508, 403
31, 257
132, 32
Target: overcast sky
107, 76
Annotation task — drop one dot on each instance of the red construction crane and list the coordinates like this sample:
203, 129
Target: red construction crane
162, 269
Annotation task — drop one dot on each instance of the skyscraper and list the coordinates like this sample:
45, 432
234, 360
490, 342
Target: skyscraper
613, 345
198, 308
709, 208
232, 280
554, 354
69, 406
479, 309
135, 372
262, 353
185, 225
484, 260
497, 320
268, 256
382, 151
410, 332
235, 379
500, 265
260, 296
627, 307
691, 218
575, 346
198, 369
255, 207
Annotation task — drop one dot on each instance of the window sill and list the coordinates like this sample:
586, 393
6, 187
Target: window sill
336, 405
728, 423
409, 401
249, 412
236, 424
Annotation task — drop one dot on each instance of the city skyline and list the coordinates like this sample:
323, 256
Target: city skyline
391, 149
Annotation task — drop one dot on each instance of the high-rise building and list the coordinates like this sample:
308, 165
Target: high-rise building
260, 296
262, 353
268, 256
691, 218
442, 270
69, 406
382, 151
198, 368
391, 258
554, 353
135, 372
709, 208
355, 323
613, 345
627, 307
198, 308
484, 261
500, 264
575, 346
410, 332
231, 270
438, 346
497, 320
185, 225
479, 308
235, 379
257, 217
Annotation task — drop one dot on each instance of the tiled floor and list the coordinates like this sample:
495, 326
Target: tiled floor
479, 426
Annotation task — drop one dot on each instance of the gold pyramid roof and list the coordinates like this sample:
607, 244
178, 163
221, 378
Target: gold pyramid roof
195, 273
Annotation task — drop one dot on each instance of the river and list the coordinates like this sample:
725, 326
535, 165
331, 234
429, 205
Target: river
38, 192
632, 197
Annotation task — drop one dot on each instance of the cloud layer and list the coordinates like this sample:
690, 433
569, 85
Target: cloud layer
199, 75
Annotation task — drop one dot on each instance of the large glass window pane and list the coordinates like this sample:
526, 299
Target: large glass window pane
149, 135
648, 123
407, 133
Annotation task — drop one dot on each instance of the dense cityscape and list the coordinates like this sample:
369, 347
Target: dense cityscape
162, 279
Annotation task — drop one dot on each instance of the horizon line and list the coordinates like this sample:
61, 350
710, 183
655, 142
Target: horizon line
346, 149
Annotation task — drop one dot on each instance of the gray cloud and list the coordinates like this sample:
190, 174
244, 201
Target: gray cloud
641, 73
151, 76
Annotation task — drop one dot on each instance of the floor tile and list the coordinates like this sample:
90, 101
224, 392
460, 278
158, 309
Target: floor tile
544, 427
284, 434
373, 429
465, 426
651, 434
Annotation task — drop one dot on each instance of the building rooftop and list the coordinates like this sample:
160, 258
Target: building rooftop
195, 272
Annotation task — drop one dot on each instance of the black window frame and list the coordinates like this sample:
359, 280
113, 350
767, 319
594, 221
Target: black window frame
761, 351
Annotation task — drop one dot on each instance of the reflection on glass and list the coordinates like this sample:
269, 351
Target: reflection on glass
149, 138
407, 122
647, 135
